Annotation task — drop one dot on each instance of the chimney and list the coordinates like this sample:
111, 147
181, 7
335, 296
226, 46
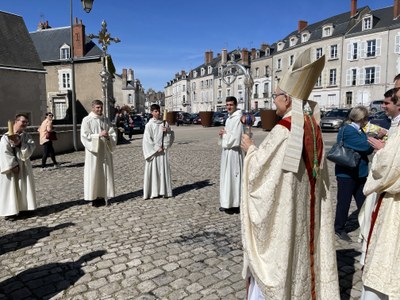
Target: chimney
129, 75
245, 57
253, 53
206, 57
353, 11
301, 25
79, 38
396, 9
224, 58
183, 73
210, 56
124, 79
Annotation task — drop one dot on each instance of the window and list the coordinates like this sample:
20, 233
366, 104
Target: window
64, 79
332, 77
193, 86
367, 23
351, 77
219, 82
257, 72
334, 51
397, 43
327, 30
370, 75
354, 51
319, 81
349, 98
203, 71
130, 99
219, 94
331, 99
304, 37
256, 91
266, 90
59, 108
280, 46
291, 60
65, 52
279, 64
371, 48
267, 52
209, 69
293, 41
318, 53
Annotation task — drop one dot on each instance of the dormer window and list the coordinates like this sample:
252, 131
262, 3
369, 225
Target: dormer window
194, 74
293, 41
367, 23
327, 30
305, 36
65, 52
267, 52
209, 69
258, 54
280, 46
203, 71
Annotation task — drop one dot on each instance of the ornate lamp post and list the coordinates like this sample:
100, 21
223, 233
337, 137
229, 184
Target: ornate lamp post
87, 6
105, 40
234, 69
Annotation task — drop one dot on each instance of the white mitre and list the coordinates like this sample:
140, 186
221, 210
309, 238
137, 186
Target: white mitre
298, 83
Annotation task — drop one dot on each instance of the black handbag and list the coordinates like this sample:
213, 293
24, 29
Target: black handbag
343, 156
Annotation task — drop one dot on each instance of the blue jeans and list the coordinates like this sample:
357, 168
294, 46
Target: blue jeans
347, 188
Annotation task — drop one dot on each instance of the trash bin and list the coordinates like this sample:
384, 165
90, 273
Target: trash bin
171, 117
206, 118
268, 118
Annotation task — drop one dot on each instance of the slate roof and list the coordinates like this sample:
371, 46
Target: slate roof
16, 48
49, 41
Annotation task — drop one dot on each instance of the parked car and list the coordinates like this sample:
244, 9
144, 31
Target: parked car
197, 120
137, 126
380, 119
183, 118
334, 119
375, 106
219, 118
257, 120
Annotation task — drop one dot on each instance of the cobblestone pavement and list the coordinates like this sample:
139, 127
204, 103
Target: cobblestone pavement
176, 248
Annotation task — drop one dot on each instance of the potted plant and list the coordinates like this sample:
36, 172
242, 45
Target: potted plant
206, 117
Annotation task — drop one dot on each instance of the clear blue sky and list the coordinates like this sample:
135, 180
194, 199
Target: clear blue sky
160, 38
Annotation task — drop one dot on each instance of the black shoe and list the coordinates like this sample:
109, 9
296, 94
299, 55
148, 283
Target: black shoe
343, 236
222, 209
99, 202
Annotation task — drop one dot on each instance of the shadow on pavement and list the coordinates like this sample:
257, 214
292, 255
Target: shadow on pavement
192, 186
28, 237
346, 268
45, 281
54, 208
126, 197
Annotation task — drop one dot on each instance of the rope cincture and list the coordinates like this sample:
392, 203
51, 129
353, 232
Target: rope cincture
315, 169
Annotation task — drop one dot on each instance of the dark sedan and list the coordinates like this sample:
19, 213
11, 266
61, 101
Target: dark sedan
380, 119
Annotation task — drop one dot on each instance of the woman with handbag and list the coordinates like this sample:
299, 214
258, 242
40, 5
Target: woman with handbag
350, 181
47, 136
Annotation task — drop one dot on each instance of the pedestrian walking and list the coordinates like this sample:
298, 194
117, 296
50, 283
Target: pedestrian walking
46, 137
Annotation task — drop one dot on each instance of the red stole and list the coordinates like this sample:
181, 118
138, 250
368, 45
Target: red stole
308, 158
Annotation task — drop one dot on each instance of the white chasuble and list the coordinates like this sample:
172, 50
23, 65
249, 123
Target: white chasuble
382, 262
99, 168
279, 224
17, 191
157, 172
231, 162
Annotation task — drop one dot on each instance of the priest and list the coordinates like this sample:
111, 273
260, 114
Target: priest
99, 139
286, 212
17, 185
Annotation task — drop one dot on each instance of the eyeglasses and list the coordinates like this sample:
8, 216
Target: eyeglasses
274, 95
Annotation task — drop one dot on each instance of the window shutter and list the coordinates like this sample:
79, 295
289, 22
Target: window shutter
349, 46
348, 77
397, 44
362, 49
377, 74
361, 77
378, 47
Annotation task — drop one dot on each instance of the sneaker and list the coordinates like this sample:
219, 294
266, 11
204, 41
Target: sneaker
343, 236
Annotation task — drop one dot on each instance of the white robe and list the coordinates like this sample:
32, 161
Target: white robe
231, 162
17, 191
275, 216
382, 261
157, 172
99, 170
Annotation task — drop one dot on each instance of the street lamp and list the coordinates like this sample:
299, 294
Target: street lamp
87, 6
105, 40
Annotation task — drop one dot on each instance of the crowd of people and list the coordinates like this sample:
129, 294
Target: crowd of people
280, 188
